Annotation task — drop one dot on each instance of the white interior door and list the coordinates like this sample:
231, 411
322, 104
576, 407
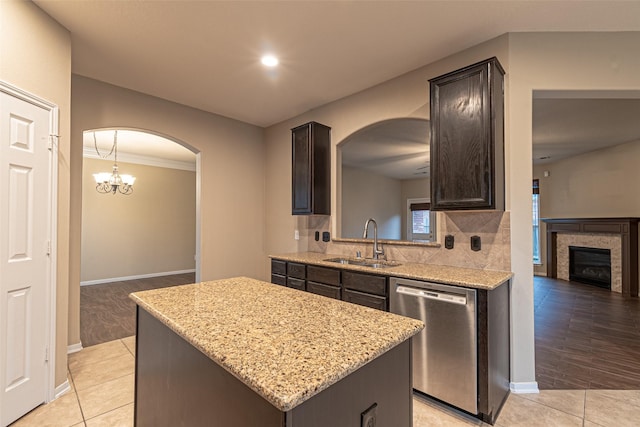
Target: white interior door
24, 256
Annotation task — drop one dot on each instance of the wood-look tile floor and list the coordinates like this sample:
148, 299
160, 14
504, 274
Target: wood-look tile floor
102, 395
106, 311
586, 337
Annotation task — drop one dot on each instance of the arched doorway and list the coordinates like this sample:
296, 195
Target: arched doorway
144, 238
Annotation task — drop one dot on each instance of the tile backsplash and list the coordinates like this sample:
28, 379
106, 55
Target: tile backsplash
493, 228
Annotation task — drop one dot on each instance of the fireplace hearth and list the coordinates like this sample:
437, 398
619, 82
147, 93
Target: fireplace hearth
591, 266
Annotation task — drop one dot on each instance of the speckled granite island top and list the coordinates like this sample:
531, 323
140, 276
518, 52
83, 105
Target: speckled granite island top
458, 276
284, 344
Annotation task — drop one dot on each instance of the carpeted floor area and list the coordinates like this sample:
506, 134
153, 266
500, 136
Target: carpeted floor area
106, 311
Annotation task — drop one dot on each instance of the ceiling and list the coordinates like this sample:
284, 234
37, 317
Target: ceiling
206, 54
397, 148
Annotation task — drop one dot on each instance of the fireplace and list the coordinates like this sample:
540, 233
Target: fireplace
584, 232
590, 265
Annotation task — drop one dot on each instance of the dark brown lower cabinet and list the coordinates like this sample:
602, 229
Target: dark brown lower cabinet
367, 300
296, 283
322, 289
492, 324
177, 385
278, 279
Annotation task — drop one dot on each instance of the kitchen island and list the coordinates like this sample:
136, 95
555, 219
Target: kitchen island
241, 352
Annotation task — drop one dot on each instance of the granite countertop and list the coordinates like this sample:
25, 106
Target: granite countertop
458, 276
284, 344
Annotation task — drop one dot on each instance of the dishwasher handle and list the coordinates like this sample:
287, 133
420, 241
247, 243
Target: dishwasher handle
433, 295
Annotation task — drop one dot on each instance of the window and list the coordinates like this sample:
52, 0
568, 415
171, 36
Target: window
536, 222
420, 220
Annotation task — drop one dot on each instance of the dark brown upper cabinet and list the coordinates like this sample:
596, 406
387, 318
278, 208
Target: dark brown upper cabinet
311, 169
467, 138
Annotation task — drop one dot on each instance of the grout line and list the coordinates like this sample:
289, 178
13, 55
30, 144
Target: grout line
75, 391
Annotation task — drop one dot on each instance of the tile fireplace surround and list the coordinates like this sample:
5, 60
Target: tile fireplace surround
620, 235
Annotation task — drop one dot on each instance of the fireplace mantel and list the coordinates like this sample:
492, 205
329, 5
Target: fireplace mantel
626, 228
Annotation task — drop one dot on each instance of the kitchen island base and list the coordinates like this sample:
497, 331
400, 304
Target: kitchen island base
176, 384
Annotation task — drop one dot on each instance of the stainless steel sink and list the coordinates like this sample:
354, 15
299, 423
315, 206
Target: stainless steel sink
372, 263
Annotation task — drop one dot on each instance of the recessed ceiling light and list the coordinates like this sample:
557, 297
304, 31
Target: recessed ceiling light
269, 60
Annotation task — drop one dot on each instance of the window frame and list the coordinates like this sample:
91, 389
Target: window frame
420, 237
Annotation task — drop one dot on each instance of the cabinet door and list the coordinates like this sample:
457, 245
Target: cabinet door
296, 270
467, 169
325, 290
367, 283
324, 275
367, 300
278, 267
311, 170
278, 279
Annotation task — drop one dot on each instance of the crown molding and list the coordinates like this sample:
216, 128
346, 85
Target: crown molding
143, 160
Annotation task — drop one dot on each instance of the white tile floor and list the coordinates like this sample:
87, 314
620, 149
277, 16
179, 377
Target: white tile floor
102, 395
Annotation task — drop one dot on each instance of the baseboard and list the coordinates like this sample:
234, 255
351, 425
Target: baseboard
139, 276
524, 388
74, 348
62, 389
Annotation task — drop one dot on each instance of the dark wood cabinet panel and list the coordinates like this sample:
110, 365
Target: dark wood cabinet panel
325, 275
365, 283
296, 283
278, 279
467, 138
311, 169
278, 267
325, 290
299, 271
367, 300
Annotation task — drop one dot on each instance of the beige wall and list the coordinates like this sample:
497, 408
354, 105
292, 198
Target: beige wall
35, 55
151, 231
369, 195
549, 61
231, 170
598, 184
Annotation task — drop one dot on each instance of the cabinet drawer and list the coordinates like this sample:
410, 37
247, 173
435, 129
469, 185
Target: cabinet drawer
365, 283
278, 279
326, 290
278, 267
295, 283
367, 300
296, 270
323, 275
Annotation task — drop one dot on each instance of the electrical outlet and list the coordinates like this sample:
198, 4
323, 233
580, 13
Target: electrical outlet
368, 417
449, 241
476, 243
325, 236
296, 235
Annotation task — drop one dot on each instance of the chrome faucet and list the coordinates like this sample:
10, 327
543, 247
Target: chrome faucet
377, 248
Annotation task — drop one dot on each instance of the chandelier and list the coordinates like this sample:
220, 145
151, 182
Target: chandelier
112, 182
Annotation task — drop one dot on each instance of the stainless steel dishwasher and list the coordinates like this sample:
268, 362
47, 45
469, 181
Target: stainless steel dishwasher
445, 364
